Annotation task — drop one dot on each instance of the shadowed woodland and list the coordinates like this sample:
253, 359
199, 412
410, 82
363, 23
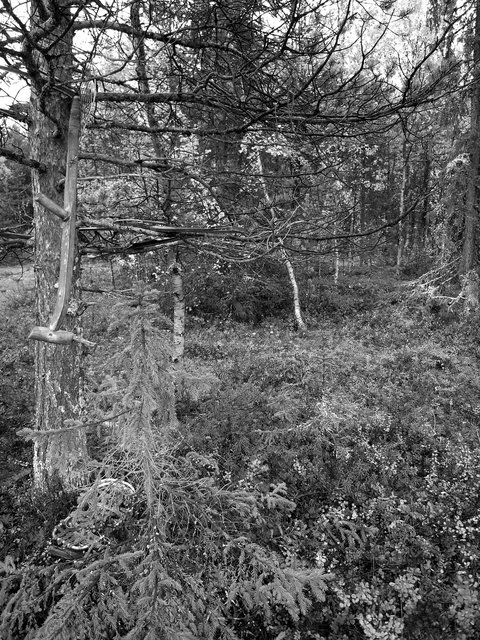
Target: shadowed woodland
240, 371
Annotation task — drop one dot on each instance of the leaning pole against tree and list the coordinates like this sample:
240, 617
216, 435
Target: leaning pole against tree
59, 446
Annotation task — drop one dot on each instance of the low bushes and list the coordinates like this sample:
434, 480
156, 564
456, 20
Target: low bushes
323, 486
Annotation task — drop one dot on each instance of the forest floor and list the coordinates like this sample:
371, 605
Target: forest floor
15, 279
16, 292
376, 406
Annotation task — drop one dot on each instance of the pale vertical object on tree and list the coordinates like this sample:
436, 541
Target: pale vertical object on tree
401, 212
68, 239
176, 273
67, 215
69, 230
291, 273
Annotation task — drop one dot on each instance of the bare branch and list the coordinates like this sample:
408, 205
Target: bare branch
21, 159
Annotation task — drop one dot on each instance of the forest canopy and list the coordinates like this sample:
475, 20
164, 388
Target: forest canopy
203, 114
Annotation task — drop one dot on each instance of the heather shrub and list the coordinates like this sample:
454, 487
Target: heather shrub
16, 359
405, 567
317, 486
16, 409
370, 427
187, 556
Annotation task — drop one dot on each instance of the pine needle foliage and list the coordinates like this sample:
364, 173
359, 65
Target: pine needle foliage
138, 388
188, 558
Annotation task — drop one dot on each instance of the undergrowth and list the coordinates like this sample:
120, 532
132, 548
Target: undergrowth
322, 486
371, 423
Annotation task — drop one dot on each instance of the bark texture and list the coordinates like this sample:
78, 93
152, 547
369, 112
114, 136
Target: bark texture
402, 207
471, 291
60, 456
176, 272
296, 296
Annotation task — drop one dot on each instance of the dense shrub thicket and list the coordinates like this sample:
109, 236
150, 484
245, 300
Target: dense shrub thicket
315, 486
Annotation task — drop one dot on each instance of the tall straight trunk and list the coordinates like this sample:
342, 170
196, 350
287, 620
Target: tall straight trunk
175, 267
362, 203
408, 226
60, 456
402, 205
296, 296
336, 256
176, 273
421, 219
350, 245
142, 75
291, 273
469, 255
388, 206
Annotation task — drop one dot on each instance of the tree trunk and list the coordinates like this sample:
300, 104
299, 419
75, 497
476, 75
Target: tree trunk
471, 292
388, 206
291, 273
176, 273
143, 77
362, 204
469, 254
336, 256
350, 244
60, 456
403, 193
296, 297
421, 219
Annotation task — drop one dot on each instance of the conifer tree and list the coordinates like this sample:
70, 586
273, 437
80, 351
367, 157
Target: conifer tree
60, 451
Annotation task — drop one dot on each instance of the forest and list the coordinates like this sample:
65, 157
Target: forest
239, 356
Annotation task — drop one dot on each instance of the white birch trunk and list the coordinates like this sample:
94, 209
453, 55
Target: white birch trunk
336, 256
401, 224
176, 273
291, 273
296, 297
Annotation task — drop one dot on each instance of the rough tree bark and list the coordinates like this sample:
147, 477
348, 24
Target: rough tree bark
60, 456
